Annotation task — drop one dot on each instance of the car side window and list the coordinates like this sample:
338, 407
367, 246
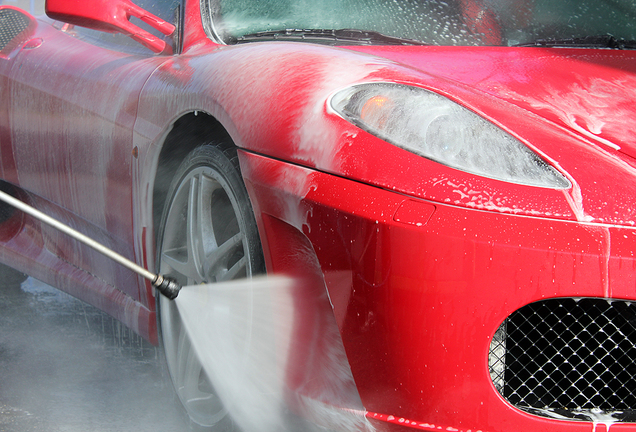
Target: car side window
168, 10
164, 9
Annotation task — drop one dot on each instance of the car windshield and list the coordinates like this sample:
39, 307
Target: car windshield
437, 22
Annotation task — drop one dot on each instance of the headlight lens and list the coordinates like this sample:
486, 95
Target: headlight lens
432, 126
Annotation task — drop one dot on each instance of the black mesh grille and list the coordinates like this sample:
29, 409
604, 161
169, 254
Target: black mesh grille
568, 356
12, 23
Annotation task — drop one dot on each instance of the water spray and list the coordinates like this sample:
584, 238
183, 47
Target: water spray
245, 334
165, 285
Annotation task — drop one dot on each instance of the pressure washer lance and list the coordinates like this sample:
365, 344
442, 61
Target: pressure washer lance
165, 285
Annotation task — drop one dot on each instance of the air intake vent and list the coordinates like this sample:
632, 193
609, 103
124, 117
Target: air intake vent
12, 23
573, 358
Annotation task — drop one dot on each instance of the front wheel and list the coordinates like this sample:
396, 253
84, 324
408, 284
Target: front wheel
207, 234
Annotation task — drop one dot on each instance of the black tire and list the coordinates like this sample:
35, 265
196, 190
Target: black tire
215, 241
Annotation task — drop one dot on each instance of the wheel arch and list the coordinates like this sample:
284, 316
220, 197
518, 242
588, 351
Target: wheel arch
193, 129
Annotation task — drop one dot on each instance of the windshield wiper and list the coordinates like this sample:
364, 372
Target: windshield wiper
600, 41
365, 37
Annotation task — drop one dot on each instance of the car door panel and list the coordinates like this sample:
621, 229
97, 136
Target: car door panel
71, 137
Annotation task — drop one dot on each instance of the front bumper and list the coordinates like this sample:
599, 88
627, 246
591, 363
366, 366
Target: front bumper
418, 289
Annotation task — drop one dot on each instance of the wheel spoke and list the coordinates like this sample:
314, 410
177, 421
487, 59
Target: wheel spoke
175, 259
183, 346
235, 270
193, 229
191, 375
189, 370
218, 260
205, 229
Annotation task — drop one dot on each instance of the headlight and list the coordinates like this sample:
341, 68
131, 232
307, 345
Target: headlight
432, 126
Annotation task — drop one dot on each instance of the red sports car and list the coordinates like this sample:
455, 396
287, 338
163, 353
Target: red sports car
454, 182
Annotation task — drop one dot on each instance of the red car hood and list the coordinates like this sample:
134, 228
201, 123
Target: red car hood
590, 92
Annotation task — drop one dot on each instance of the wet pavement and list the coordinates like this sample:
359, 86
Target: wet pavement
65, 366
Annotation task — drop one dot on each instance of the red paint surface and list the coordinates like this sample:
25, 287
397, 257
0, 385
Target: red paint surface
416, 264
417, 305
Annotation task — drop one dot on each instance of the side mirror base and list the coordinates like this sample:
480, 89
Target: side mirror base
112, 16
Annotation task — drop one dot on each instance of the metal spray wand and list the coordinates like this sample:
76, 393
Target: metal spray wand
165, 285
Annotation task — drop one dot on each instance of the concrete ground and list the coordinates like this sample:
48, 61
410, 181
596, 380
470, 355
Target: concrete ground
66, 367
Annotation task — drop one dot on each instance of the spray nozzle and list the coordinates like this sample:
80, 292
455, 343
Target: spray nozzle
167, 286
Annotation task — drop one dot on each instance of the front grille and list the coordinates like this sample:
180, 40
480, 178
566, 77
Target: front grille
12, 23
568, 357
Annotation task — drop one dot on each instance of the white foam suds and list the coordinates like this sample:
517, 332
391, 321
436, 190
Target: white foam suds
596, 416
